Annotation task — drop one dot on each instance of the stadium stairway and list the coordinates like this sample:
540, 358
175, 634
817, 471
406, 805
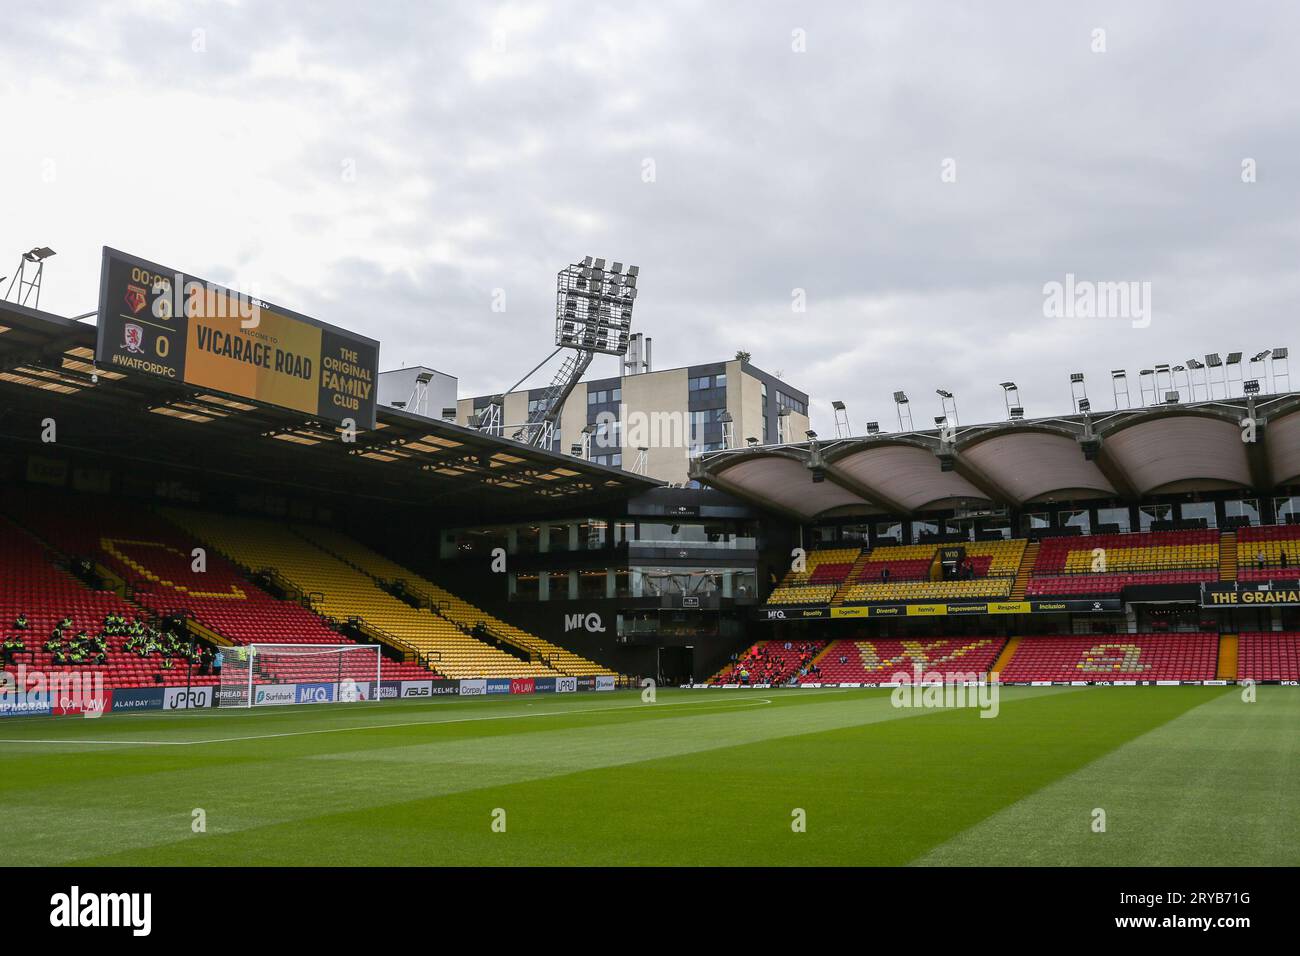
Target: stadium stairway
1023, 573
1004, 658
1228, 556
1227, 667
855, 572
445, 604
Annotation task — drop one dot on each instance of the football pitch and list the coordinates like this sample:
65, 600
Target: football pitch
1081, 775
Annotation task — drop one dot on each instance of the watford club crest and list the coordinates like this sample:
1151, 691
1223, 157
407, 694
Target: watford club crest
135, 298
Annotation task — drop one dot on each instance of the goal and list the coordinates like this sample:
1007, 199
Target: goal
261, 675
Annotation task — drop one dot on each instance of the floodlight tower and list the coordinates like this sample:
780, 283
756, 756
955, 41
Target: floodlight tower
593, 315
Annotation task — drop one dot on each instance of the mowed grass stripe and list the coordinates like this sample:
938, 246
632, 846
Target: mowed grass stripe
59, 803
1219, 785
876, 790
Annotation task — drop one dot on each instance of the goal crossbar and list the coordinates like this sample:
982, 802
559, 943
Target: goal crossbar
269, 673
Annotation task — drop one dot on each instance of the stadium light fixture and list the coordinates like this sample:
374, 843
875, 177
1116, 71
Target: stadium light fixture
1011, 399
728, 424
1171, 397
1147, 384
1259, 361
1085, 406
751, 441
810, 435
946, 398
1232, 372
1119, 386
873, 428
904, 409
842, 427
1213, 361
1194, 366
1251, 386
1078, 390
30, 288
1281, 370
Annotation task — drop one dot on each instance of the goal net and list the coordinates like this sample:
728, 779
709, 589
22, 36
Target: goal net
261, 675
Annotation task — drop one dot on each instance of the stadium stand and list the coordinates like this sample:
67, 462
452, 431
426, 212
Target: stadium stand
878, 660
823, 573
341, 591
1114, 657
1272, 655
46, 595
447, 604
912, 571
1268, 553
1064, 565
153, 559
770, 662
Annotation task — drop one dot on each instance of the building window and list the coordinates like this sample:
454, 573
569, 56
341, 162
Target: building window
1076, 519
1193, 510
1035, 520
1147, 514
1285, 510
1117, 517
1242, 508
788, 401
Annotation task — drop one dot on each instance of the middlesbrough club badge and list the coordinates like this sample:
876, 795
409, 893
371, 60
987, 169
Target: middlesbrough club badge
133, 338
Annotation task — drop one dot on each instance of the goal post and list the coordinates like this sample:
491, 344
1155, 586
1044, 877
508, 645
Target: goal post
263, 674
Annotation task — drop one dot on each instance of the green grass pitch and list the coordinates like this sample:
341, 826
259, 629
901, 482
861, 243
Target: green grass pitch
1184, 775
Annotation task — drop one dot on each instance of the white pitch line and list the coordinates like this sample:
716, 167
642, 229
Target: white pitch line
341, 730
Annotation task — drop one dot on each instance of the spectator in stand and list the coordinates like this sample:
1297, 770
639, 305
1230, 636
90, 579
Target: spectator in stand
1282, 559
20, 622
217, 661
884, 575
1259, 560
12, 645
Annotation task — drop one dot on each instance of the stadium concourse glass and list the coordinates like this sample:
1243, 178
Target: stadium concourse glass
268, 675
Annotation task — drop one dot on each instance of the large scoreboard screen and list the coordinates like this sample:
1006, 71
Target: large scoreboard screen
164, 323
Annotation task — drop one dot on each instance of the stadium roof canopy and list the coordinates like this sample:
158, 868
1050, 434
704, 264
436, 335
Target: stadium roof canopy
1128, 455
47, 370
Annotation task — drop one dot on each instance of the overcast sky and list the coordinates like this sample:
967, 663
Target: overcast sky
919, 170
